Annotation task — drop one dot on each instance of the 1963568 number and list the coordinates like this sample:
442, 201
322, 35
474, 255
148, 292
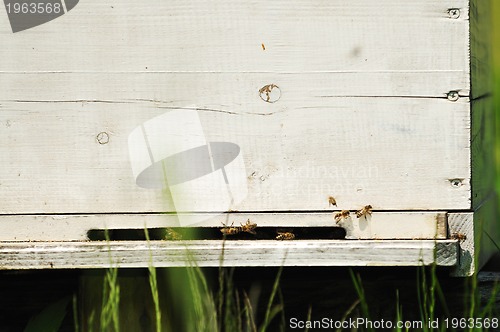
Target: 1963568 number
33, 8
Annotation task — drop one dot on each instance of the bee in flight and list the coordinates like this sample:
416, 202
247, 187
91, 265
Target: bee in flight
332, 201
249, 227
285, 236
458, 236
344, 214
364, 211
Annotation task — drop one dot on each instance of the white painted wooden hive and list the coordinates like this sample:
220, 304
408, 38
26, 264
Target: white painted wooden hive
131, 114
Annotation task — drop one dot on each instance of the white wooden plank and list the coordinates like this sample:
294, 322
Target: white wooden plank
236, 253
462, 225
381, 225
109, 67
479, 234
392, 153
395, 226
228, 35
235, 92
217, 56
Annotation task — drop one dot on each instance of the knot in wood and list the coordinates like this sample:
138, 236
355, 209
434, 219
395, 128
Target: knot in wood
102, 138
270, 93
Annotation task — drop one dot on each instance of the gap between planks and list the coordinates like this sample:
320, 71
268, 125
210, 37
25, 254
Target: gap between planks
380, 225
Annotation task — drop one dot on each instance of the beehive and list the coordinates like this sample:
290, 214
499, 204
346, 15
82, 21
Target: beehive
131, 114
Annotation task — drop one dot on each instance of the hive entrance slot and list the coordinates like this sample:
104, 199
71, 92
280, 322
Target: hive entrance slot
214, 233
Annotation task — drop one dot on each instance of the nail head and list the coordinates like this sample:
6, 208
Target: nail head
454, 13
453, 96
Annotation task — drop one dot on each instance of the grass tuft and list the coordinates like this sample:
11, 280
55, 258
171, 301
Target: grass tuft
153, 283
110, 310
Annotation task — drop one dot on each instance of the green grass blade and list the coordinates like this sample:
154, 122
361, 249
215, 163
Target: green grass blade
249, 314
493, 241
399, 311
153, 284
110, 318
348, 312
270, 311
283, 317
358, 285
422, 295
309, 315
50, 318
91, 321
75, 313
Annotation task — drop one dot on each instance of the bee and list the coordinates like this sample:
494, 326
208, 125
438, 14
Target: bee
332, 201
458, 236
341, 215
172, 235
364, 211
230, 230
248, 227
285, 236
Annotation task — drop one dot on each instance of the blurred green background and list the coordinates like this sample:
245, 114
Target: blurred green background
496, 68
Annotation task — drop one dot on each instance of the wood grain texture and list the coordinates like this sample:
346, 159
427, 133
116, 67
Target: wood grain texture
463, 223
482, 234
396, 226
483, 143
232, 91
236, 253
363, 113
227, 36
362, 116
394, 153
381, 225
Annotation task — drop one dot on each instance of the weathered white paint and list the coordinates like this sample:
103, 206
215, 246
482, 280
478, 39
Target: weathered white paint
392, 153
479, 231
236, 92
227, 36
362, 116
235, 253
396, 226
463, 224
381, 225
